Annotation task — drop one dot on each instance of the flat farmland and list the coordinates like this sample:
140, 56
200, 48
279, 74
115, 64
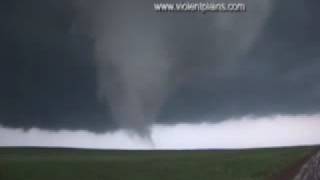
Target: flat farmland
77, 164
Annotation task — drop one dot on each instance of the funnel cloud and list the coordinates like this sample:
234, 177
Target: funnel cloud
137, 68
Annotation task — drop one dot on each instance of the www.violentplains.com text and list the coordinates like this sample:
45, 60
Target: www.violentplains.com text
199, 7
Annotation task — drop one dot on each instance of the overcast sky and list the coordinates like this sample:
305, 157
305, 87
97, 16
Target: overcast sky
108, 74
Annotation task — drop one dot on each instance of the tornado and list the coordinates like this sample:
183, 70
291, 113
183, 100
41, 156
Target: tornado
142, 55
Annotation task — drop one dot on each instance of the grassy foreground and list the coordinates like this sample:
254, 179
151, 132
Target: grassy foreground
71, 164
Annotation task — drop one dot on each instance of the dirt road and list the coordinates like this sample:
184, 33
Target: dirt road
310, 170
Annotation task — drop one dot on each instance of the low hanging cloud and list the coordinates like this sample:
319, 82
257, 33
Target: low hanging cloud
248, 132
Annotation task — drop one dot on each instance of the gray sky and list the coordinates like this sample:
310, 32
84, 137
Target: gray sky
104, 66
247, 132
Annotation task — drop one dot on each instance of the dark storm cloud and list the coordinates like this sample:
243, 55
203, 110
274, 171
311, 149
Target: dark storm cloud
47, 71
98, 65
280, 75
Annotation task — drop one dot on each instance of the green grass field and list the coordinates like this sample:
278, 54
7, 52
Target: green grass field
71, 164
